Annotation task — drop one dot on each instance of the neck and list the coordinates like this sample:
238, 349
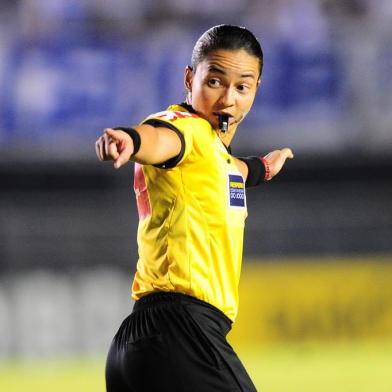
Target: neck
226, 137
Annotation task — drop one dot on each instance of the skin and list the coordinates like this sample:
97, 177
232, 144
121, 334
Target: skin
225, 82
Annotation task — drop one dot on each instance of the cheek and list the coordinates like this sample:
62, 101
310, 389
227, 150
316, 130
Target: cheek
247, 103
207, 95
203, 96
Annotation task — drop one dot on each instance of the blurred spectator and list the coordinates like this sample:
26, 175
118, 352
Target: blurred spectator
46, 21
360, 30
68, 64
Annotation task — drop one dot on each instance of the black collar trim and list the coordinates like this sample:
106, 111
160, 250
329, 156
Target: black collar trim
191, 110
188, 107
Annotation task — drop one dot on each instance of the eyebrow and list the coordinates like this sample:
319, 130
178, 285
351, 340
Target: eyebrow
214, 68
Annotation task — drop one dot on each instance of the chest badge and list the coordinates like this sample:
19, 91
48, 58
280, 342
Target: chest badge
236, 191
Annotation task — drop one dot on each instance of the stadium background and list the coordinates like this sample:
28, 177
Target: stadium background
316, 292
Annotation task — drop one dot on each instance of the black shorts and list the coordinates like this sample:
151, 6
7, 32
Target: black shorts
174, 342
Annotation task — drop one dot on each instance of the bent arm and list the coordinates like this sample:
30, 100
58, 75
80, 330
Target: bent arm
242, 167
256, 170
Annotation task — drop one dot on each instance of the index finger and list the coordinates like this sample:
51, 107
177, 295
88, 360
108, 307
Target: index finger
115, 135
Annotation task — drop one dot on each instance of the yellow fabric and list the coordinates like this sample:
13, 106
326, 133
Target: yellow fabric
192, 216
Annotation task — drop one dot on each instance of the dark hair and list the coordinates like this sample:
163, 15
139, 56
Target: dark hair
226, 37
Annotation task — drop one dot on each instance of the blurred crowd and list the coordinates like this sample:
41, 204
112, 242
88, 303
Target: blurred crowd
327, 65
296, 20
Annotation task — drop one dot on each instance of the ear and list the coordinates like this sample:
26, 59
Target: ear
188, 78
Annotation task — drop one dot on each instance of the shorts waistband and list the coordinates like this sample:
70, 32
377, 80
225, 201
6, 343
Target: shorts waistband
163, 297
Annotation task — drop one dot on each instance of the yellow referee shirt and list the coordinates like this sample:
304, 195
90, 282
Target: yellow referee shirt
190, 234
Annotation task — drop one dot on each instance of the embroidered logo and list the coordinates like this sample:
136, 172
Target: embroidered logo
236, 191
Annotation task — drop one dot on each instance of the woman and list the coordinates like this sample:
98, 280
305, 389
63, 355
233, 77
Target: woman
191, 201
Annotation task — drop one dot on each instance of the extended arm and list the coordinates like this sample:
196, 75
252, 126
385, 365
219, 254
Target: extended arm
156, 145
255, 170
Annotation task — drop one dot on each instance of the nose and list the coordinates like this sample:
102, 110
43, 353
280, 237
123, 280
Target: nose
228, 97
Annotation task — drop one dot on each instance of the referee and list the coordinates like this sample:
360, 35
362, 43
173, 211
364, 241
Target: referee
191, 199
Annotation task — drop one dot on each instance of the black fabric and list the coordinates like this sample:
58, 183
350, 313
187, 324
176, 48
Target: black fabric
175, 343
172, 162
188, 107
256, 171
134, 134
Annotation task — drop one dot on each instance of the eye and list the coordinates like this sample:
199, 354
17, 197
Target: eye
214, 82
243, 88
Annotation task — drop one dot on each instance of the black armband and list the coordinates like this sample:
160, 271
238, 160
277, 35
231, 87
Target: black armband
135, 136
258, 170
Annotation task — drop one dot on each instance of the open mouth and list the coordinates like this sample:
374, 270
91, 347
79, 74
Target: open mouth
223, 114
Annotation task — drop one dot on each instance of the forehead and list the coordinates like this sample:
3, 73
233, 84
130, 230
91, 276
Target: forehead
237, 62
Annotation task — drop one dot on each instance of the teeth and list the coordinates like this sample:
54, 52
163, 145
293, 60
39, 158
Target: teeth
223, 122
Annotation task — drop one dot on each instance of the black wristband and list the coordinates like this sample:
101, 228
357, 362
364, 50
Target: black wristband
256, 171
135, 136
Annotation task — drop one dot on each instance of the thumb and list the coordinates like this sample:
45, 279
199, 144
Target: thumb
124, 156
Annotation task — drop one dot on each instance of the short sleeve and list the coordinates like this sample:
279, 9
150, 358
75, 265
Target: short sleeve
183, 123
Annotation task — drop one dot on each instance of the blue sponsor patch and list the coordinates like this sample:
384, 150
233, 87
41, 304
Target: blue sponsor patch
236, 191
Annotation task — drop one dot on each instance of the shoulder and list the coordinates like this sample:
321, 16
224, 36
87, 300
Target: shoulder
177, 116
